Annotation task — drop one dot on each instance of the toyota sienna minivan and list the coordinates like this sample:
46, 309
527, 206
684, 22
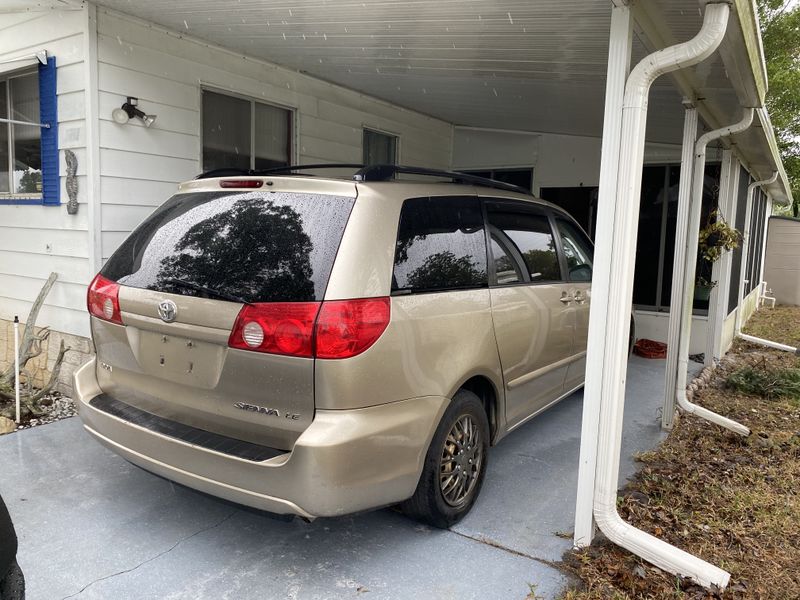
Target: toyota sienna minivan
319, 346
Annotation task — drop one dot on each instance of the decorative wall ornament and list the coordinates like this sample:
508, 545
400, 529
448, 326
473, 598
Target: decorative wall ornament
72, 181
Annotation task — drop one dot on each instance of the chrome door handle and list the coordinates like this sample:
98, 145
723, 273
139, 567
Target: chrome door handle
565, 298
580, 298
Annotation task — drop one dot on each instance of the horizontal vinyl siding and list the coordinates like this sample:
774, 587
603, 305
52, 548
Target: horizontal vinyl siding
140, 167
36, 240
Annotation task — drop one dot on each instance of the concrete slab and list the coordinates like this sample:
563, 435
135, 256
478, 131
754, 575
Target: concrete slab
93, 526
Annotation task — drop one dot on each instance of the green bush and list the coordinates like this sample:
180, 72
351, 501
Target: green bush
767, 383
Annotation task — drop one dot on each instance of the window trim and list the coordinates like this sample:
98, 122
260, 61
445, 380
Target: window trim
294, 128
48, 113
574, 224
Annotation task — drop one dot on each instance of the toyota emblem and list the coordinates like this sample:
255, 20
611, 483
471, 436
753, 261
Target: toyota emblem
167, 310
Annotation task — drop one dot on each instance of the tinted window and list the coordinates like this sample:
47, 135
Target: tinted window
506, 269
577, 251
256, 246
531, 234
440, 245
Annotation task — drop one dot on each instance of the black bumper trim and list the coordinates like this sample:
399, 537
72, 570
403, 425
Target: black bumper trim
182, 432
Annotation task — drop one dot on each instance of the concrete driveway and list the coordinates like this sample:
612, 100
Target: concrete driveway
93, 526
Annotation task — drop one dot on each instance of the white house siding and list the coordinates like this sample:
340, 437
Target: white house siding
35, 240
139, 167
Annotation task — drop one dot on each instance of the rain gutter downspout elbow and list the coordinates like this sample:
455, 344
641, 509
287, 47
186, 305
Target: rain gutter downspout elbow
631, 160
691, 259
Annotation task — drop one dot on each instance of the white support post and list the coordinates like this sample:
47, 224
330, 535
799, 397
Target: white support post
619, 60
612, 291
16, 367
690, 264
682, 225
721, 272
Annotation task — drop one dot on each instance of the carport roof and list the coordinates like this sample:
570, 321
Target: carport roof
507, 64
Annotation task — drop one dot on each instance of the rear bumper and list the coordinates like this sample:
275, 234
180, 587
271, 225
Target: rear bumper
345, 461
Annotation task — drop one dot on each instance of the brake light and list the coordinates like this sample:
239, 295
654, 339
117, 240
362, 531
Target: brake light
241, 183
332, 329
102, 299
276, 328
346, 328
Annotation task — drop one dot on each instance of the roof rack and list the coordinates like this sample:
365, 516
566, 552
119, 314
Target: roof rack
386, 172
370, 173
288, 169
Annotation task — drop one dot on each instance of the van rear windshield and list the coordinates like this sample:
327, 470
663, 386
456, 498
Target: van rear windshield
250, 247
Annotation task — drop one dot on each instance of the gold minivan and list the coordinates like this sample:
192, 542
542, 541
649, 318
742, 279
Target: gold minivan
319, 346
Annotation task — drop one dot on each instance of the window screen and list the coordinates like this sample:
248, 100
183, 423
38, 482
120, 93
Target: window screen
379, 148
20, 145
532, 236
244, 134
440, 245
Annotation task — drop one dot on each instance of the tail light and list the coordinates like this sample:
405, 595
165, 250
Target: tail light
103, 299
333, 329
276, 328
348, 327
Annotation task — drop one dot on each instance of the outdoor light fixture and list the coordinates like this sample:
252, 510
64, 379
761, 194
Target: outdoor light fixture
129, 111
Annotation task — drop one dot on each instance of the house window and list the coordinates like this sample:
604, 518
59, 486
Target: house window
29, 153
244, 134
379, 148
655, 247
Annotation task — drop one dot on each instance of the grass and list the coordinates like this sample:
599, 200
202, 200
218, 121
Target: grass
733, 501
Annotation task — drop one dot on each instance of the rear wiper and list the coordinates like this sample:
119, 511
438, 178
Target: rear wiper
206, 290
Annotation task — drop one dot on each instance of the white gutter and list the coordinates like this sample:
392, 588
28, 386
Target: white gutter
746, 243
606, 371
770, 343
687, 300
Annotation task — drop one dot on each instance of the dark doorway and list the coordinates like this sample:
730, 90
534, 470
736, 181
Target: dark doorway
580, 202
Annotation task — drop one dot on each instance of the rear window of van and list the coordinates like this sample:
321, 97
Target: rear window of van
249, 247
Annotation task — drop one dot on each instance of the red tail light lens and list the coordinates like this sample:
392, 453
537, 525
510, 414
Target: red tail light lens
276, 328
343, 328
103, 299
346, 328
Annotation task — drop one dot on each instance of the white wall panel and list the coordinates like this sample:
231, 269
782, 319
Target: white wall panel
36, 239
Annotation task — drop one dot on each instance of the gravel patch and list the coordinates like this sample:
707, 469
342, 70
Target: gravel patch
56, 407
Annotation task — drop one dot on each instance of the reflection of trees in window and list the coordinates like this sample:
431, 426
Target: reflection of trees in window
444, 269
542, 264
254, 250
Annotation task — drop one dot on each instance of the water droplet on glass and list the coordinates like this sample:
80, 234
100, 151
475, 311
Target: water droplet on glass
510, 19
495, 91
185, 24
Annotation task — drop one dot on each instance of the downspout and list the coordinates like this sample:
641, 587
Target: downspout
623, 245
689, 274
746, 244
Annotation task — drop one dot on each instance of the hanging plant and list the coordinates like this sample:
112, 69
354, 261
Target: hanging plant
717, 237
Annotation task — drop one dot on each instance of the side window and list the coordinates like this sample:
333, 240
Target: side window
530, 232
506, 269
440, 246
577, 251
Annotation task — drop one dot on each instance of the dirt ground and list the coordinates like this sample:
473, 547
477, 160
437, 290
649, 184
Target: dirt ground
733, 501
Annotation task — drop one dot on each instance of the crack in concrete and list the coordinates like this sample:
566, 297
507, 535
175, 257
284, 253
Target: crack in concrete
493, 544
152, 558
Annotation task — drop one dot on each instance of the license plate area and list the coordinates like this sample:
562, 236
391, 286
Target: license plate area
180, 359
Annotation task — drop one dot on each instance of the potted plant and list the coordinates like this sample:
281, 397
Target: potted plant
716, 238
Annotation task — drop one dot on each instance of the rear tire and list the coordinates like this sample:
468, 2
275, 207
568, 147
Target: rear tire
12, 587
455, 464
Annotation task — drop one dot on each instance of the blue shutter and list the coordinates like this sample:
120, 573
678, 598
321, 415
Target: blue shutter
48, 109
